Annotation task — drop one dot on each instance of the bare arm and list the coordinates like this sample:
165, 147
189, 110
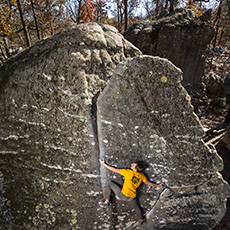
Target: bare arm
153, 185
111, 168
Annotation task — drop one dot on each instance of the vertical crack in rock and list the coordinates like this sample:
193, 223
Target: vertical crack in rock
94, 132
98, 136
105, 217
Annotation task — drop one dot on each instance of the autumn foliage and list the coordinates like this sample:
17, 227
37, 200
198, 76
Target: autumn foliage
23, 22
89, 9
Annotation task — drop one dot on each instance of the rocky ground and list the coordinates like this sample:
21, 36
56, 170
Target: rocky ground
213, 117
211, 121
225, 154
214, 120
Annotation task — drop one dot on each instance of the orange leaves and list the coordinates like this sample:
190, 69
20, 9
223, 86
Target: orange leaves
81, 11
196, 7
6, 10
87, 11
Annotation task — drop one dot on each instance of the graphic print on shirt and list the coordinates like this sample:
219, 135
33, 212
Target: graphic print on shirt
135, 180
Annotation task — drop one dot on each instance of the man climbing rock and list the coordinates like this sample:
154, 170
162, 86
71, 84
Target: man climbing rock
133, 179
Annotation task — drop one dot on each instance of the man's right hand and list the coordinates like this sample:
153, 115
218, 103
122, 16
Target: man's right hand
111, 168
162, 185
102, 161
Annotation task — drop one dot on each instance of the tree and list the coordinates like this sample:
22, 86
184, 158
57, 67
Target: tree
155, 7
81, 11
149, 6
6, 10
173, 3
100, 12
73, 8
7, 26
221, 23
87, 11
123, 11
126, 13
23, 24
51, 16
35, 19
196, 6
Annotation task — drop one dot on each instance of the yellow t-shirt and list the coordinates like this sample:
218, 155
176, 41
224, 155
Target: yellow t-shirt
132, 181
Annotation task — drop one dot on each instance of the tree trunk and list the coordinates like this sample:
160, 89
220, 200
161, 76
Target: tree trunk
7, 49
171, 5
157, 7
121, 18
217, 22
79, 12
35, 20
166, 4
23, 24
126, 14
2, 53
50, 17
118, 16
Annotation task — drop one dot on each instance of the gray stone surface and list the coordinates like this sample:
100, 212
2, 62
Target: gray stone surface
50, 142
226, 139
144, 113
179, 37
48, 154
214, 84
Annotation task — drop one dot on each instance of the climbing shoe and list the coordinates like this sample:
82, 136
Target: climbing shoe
106, 203
141, 222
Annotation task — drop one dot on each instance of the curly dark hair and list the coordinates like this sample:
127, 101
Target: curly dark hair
140, 165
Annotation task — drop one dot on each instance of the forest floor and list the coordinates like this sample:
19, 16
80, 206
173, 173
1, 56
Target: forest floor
213, 121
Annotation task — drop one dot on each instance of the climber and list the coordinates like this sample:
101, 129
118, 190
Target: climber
133, 178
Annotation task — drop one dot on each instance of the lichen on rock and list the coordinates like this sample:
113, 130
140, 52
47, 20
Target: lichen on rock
47, 126
160, 128
178, 36
56, 122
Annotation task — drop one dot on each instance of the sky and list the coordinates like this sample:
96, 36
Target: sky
208, 5
141, 11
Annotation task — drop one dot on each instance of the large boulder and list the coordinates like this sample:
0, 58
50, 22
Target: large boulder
180, 37
48, 154
56, 123
145, 114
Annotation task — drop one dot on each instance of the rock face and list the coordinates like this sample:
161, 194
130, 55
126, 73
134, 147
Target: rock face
145, 114
214, 84
56, 124
179, 37
226, 139
48, 157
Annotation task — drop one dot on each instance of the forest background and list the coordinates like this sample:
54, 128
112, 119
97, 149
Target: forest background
24, 22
